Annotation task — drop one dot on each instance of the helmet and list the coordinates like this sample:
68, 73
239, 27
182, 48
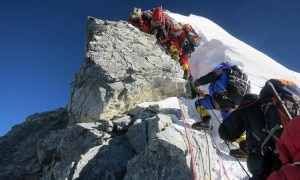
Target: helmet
136, 13
187, 27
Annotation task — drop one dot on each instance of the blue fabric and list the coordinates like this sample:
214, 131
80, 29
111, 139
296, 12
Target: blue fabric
214, 87
219, 85
223, 65
222, 83
206, 102
225, 113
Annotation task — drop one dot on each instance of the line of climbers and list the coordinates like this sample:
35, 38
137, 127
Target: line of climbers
255, 122
266, 126
179, 40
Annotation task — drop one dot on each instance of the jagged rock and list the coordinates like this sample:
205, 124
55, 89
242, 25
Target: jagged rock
19, 150
122, 124
88, 152
165, 157
122, 67
141, 133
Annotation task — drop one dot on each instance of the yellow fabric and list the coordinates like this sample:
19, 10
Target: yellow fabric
173, 48
242, 138
174, 52
202, 111
185, 66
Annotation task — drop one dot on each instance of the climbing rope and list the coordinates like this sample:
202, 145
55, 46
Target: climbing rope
230, 148
187, 133
190, 146
194, 136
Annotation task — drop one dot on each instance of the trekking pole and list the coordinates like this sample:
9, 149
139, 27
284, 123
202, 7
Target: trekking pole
282, 106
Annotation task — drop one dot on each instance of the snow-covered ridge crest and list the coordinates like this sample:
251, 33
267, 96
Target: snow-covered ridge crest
221, 46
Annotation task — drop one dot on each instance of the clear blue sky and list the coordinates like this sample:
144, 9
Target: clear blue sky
42, 42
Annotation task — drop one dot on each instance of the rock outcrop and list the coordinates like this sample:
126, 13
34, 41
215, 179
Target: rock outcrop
104, 133
122, 67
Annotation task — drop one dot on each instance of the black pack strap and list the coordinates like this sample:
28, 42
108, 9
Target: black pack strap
255, 136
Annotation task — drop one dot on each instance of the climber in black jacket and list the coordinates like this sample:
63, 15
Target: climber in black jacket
250, 118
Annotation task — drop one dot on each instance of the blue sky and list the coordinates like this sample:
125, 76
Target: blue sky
42, 42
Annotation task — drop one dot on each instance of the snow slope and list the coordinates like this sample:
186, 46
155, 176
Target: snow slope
220, 46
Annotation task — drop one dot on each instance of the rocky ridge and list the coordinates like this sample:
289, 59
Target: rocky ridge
104, 133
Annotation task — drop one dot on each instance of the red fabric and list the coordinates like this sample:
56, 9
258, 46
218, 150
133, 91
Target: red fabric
289, 142
184, 59
176, 38
286, 172
140, 23
288, 146
158, 14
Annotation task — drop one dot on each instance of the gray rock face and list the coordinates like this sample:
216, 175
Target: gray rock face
122, 67
104, 134
31, 145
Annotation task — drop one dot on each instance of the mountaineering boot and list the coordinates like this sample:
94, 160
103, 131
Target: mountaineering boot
186, 74
202, 126
205, 123
186, 71
240, 152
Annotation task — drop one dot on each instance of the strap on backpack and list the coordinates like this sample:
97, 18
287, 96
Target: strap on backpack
270, 134
280, 102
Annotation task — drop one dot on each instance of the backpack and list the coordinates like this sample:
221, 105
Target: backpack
158, 17
238, 84
280, 103
193, 37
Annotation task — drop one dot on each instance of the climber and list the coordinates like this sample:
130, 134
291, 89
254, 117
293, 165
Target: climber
182, 42
141, 19
160, 25
224, 92
250, 118
264, 118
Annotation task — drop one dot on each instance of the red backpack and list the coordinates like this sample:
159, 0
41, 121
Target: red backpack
158, 17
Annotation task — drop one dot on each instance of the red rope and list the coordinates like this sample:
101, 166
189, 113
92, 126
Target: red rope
187, 133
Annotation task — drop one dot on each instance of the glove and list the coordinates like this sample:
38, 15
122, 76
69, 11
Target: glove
196, 83
201, 93
186, 75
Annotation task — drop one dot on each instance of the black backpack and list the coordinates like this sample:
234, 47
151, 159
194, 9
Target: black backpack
238, 84
280, 103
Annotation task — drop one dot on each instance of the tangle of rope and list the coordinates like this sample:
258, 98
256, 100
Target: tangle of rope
229, 146
187, 97
187, 132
